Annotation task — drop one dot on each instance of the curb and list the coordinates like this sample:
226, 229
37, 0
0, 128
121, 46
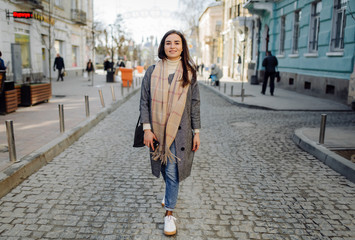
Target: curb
333, 160
31, 163
232, 101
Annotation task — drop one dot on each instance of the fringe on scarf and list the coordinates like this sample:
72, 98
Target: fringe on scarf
164, 157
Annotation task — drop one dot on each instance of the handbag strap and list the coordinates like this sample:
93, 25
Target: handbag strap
138, 122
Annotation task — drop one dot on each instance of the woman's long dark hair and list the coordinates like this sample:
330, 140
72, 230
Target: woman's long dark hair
187, 62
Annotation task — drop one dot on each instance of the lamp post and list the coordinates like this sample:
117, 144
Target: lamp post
111, 47
243, 40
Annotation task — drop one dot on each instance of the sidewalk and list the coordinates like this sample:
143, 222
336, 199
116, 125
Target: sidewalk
337, 139
37, 130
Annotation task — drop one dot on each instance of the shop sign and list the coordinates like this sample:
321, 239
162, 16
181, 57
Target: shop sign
27, 15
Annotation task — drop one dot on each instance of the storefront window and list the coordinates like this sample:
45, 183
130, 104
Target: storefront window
58, 46
74, 56
24, 41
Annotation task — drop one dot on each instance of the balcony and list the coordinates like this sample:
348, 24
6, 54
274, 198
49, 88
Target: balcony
78, 16
32, 4
259, 7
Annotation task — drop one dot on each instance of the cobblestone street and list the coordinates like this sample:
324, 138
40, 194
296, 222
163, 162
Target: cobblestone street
249, 181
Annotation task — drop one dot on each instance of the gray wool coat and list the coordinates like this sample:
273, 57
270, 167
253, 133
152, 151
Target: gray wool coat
190, 120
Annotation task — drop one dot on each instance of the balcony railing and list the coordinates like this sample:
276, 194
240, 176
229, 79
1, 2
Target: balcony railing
34, 4
78, 16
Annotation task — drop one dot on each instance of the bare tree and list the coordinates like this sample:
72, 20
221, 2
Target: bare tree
190, 11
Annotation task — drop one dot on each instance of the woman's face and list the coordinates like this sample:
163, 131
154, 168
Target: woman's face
173, 46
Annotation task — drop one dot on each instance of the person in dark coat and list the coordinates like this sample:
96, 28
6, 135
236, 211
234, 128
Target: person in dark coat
2, 63
170, 113
3, 77
122, 64
270, 63
59, 64
90, 68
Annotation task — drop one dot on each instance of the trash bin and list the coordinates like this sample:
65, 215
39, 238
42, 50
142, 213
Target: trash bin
254, 80
126, 76
109, 76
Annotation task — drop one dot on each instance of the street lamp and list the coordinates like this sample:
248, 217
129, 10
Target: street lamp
110, 25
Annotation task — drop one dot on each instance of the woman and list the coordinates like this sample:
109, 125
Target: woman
170, 113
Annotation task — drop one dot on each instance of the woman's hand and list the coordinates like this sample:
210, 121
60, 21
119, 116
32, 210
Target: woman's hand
196, 142
149, 136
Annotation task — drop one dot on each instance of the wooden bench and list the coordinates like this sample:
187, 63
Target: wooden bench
11, 100
35, 93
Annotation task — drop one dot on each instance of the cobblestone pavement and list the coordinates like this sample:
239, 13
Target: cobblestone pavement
249, 181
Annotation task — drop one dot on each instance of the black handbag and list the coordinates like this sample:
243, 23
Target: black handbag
139, 135
277, 76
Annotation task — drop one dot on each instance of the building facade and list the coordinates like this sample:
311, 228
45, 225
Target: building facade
210, 27
314, 43
239, 41
30, 44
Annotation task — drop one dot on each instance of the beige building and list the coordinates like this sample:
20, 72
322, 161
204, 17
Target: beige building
239, 46
30, 44
210, 27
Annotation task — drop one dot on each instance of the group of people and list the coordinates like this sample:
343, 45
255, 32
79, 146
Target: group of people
59, 65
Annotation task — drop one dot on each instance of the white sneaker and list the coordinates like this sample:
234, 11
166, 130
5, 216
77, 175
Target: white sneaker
169, 225
163, 202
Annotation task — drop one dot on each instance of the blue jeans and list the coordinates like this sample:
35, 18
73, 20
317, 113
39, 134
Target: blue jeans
171, 178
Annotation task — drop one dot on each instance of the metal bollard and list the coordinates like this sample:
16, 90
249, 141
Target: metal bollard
87, 108
61, 117
128, 87
113, 94
242, 94
232, 90
11, 140
225, 87
322, 128
102, 98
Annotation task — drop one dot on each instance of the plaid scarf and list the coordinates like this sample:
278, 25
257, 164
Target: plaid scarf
168, 103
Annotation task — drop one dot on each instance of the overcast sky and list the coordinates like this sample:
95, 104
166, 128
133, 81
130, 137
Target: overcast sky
142, 17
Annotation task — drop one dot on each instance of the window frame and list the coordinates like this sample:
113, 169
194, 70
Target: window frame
282, 34
338, 29
296, 31
314, 27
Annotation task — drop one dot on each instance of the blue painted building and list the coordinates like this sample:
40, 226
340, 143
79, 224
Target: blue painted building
314, 41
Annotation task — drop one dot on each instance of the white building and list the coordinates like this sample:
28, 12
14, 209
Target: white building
34, 31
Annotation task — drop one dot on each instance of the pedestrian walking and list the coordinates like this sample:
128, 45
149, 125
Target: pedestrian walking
270, 63
170, 113
59, 64
216, 74
202, 67
90, 69
2, 74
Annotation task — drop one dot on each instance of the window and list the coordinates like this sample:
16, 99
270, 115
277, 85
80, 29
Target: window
58, 46
58, 3
296, 32
339, 16
75, 56
282, 35
314, 27
24, 41
74, 4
